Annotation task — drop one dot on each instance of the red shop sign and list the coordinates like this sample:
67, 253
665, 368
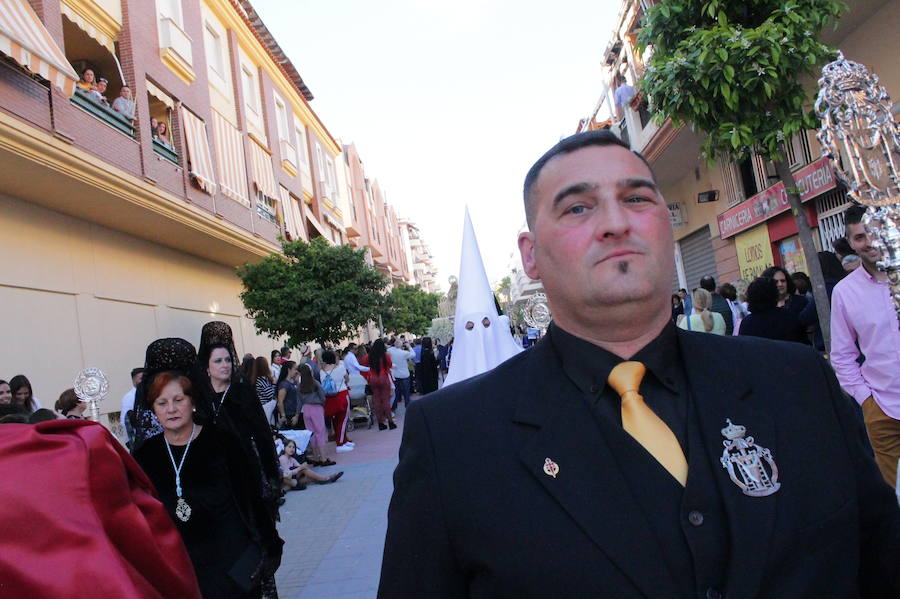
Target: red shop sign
813, 179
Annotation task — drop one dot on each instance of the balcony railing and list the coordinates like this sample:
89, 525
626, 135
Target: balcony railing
166, 151
102, 112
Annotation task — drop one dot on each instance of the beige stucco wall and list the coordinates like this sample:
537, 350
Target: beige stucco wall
74, 294
877, 45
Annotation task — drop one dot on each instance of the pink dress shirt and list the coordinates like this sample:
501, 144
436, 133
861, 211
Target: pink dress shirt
862, 312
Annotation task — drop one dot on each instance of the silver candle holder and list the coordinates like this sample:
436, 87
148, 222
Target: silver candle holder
862, 139
91, 385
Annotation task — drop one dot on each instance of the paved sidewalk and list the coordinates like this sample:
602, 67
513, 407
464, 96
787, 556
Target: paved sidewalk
334, 534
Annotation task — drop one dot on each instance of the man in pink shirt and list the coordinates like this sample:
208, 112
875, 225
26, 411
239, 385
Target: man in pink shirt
864, 321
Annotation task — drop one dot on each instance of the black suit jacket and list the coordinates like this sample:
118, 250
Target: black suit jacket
474, 515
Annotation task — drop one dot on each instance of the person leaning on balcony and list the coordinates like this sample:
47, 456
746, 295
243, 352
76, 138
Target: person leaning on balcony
162, 132
98, 94
623, 95
124, 104
87, 82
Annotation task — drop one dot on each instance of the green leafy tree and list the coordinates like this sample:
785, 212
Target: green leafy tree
504, 289
312, 292
734, 70
409, 309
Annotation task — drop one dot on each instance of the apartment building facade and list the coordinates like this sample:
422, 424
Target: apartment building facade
733, 220
371, 222
116, 237
424, 272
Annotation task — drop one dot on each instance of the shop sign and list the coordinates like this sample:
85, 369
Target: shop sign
677, 214
754, 252
813, 179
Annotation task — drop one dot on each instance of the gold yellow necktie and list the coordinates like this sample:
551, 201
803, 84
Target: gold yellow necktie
643, 424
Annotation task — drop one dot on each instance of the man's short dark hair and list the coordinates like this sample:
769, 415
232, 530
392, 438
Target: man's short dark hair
842, 247
853, 215
708, 283
329, 357
136, 371
601, 138
285, 351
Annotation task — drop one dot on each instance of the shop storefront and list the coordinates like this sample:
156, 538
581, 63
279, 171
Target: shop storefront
764, 228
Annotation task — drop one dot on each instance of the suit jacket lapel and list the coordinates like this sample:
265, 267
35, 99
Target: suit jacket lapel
717, 397
589, 485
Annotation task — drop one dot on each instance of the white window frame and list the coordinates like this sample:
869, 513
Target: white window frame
212, 41
281, 119
302, 149
171, 9
250, 89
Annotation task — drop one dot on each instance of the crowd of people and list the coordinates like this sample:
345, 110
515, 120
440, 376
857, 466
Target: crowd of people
780, 305
215, 437
777, 305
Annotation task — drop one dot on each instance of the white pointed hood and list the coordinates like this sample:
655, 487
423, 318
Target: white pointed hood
476, 348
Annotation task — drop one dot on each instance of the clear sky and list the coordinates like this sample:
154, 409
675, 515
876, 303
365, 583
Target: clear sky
449, 103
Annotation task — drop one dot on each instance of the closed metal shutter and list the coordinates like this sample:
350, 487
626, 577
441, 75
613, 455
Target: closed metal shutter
698, 258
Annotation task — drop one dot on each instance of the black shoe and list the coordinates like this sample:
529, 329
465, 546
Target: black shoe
391, 425
383, 427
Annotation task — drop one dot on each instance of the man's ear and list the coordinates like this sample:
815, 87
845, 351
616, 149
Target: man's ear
526, 250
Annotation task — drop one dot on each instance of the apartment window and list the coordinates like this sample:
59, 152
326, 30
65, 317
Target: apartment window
747, 177
171, 9
302, 151
214, 50
739, 179
250, 90
281, 119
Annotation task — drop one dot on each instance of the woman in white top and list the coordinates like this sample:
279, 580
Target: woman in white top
702, 319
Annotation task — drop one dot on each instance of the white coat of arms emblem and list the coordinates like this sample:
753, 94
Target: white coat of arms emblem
749, 465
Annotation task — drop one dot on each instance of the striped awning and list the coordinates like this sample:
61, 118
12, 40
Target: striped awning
263, 177
101, 37
293, 214
25, 39
198, 151
232, 168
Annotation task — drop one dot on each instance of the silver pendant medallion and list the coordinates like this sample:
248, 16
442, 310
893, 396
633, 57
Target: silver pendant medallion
182, 510
746, 462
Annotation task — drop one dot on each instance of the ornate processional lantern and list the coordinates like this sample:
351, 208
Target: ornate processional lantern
862, 139
91, 386
537, 312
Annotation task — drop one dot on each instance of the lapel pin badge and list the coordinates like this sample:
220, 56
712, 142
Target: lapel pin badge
551, 468
746, 462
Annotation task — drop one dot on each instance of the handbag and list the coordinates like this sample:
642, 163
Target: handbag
246, 572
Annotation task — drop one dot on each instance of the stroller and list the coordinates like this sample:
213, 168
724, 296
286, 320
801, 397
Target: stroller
360, 403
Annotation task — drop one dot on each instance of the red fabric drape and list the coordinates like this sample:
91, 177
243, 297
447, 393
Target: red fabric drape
79, 518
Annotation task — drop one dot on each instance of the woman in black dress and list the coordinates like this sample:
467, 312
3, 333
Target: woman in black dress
766, 319
206, 484
428, 366
230, 404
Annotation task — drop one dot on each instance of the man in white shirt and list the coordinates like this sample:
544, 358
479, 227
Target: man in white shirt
137, 374
400, 356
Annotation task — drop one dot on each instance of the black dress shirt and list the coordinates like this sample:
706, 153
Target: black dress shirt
663, 387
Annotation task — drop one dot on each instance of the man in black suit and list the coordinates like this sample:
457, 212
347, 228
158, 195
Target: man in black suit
538, 479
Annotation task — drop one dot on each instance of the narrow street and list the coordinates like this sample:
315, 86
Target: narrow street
334, 534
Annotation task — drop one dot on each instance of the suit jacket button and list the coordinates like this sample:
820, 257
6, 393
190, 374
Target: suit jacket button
712, 593
595, 388
696, 518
